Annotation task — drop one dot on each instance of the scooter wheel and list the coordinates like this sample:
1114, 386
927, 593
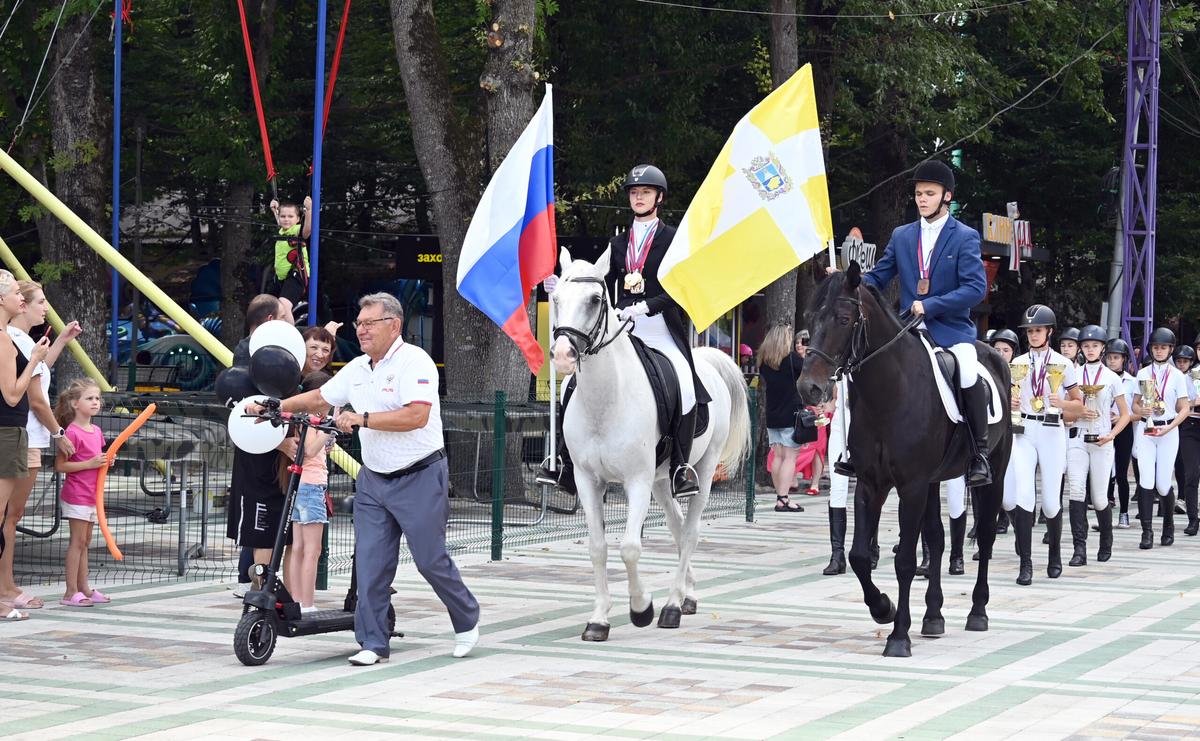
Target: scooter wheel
254, 639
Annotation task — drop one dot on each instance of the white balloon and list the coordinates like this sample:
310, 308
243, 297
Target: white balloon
279, 332
248, 434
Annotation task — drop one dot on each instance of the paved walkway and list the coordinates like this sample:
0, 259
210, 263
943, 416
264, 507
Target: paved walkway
776, 651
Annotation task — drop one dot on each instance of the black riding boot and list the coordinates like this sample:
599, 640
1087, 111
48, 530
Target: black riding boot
874, 549
974, 515
684, 482
1193, 511
1104, 517
958, 534
1079, 529
564, 475
1146, 499
923, 567
1002, 523
1168, 529
1022, 523
1054, 560
837, 542
976, 402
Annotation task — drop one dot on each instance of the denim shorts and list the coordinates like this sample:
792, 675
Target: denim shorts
309, 508
782, 436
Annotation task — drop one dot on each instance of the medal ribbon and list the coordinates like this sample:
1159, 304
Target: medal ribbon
1094, 378
922, 266
1037, 381
1162, 388
635, 258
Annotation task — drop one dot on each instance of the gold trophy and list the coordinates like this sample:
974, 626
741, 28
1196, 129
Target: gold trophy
1018, 372
1055, 372
1090, 392
1150, 398
1194, 374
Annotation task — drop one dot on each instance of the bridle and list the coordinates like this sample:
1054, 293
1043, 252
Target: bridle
858, 342
596, 337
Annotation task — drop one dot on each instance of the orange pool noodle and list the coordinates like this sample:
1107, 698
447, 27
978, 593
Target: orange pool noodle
111, 455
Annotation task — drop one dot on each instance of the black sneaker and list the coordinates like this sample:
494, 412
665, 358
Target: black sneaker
563, 478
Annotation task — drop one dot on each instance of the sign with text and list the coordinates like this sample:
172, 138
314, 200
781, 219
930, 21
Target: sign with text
854, 249
1012, 231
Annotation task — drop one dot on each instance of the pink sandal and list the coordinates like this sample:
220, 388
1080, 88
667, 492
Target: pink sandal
79, 599
98, 598
26, 601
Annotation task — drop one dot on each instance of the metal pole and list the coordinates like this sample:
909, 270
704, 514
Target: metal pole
499, 426
314, 240
750, 494
113, 348
136, 300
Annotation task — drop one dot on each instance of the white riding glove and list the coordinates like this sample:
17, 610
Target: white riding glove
550, 283
634, 311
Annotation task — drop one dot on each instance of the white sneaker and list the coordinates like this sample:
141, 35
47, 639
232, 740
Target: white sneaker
310, 609
464, 642
367, 658
240, 591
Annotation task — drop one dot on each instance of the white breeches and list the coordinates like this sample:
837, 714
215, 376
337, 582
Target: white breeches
653, 331
968, 363
1088, 467
839, 485
1156, 460
1041, 449
956, 497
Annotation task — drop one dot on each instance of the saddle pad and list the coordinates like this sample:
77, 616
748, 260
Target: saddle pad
663, 384
949, 403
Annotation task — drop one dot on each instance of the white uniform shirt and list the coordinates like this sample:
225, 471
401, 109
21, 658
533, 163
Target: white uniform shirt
1037, 362
1095, 374
39, 436
930, 231
405, 375
1171, 387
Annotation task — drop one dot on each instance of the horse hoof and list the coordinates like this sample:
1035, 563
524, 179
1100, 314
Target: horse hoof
898, 648
595, 632
886, 612
977, 623
643, 618
688, 606
933, 626
669, 617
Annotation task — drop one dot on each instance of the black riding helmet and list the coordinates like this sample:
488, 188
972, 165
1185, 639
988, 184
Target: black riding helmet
1185, 352
1162, 336
1119, 346
1038, 315
1006, 335
1070, 333
934, 171
1093, 333
646, 175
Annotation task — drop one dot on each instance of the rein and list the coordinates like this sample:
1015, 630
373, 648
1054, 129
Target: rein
598, 333
858, 341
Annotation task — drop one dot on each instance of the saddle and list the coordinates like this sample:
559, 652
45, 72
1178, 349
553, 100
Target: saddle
665, 386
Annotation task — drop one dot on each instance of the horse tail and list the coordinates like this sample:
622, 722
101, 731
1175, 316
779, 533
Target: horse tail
737, 444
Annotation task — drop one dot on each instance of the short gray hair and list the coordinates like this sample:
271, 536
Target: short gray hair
8, 282
391, 305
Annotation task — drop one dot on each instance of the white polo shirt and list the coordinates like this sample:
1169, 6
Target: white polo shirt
405, 375
1171, 383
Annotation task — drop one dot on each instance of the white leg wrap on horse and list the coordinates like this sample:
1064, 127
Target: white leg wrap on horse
968, 363
653, 331
956, 497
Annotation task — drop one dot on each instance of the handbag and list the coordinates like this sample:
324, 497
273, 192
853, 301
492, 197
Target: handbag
805, 428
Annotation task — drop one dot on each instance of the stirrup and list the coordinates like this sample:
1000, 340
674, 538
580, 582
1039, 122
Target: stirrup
689, 486
843, 466
547, 476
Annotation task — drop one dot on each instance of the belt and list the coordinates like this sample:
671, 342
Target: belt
1073, 433
1052, 418
1158, 422
420, 465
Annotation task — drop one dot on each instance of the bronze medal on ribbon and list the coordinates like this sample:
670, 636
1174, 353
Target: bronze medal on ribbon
922, 286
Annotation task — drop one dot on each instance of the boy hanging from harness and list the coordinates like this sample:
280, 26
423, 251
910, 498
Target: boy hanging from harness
291, 252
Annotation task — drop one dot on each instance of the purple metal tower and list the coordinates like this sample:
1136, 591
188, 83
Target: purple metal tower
1140, 171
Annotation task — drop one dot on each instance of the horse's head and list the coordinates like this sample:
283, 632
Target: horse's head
582, 308
834, 319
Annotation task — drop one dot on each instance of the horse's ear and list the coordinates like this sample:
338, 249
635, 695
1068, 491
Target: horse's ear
853, 275
564, 258
602, 262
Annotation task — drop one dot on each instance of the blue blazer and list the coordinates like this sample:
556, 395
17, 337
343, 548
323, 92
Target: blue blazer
957, 281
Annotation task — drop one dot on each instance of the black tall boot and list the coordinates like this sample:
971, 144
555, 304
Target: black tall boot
923, 567
975, 399
971, 534
564, 474
684, 482
1146, 499
874, 550
1190, 501
1002, 523
1104, 517
1022, 523
958, 534
1168, 530
1079, 530
837, 542
1054, 560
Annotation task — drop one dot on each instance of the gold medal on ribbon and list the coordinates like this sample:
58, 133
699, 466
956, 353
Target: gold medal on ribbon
1037, 404
634, 283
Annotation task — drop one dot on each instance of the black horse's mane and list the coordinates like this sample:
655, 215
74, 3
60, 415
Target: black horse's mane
833, 285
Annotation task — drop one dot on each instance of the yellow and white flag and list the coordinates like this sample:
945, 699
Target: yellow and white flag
762, 210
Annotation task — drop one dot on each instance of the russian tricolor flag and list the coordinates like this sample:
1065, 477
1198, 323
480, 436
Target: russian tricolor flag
511, 245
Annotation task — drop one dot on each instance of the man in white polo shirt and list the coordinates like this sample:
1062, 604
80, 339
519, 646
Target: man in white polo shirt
403, 486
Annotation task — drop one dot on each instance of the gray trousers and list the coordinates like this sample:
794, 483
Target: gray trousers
416, 506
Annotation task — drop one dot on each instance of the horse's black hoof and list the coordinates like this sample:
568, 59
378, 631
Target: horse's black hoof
886, 612
688, 606
595, 632
977, 623
898, 648
933, 626
643, 618
669, 617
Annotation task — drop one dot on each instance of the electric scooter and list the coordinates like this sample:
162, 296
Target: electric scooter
270, 612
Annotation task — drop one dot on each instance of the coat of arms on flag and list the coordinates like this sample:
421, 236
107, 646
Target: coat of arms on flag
768, 177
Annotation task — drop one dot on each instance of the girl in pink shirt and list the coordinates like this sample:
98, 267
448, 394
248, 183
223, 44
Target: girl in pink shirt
310, 511
74, 411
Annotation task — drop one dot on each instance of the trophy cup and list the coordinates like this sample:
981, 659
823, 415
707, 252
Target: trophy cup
1090, 392
1194, 374
1018, 372
1150, 398
1055, 372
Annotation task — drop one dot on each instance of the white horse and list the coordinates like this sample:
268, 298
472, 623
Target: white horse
611, 430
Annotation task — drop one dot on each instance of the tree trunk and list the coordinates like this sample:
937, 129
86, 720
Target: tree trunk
888, 155
779, 302
77, 281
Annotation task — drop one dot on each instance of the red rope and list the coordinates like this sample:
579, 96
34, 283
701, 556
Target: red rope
337, 58
258, 106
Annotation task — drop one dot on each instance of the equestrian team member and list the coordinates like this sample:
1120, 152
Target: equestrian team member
1090, 462
1187, 463
1068, 344
1116, 357
1042, 447
839, 484
659, 322
1158, 444
403, 485
1006, 342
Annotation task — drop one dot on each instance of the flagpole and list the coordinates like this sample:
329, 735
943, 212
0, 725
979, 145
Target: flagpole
553, 392
832, 258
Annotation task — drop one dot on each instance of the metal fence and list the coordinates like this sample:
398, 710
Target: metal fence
166, 494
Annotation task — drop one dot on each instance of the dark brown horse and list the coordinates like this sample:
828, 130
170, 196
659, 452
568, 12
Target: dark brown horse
901, 438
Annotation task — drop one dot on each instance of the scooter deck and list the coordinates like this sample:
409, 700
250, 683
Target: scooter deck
322, 621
